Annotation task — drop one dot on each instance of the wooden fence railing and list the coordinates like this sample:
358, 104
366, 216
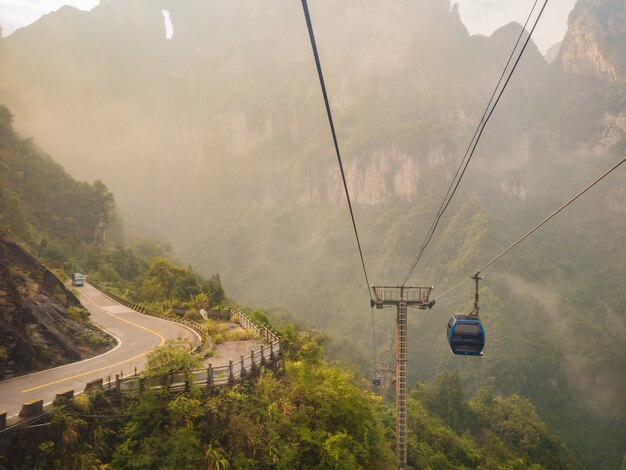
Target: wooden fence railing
197, 327
266, 333
236, 369
270, 355
247, 366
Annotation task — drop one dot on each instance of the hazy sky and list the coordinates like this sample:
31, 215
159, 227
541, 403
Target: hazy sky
480, 16
485, 16
18, 13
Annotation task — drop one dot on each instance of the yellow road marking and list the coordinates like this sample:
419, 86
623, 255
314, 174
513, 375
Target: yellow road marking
108, 366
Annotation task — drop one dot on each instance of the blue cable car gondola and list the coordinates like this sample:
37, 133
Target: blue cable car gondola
466, 335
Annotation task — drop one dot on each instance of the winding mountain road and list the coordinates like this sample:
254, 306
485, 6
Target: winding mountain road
137, 334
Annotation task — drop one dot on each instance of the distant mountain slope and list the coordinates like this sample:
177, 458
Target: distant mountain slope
42, 324
594, 43
553, 52
211, 101
41, 204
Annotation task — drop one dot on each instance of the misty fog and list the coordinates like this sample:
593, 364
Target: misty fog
211, 133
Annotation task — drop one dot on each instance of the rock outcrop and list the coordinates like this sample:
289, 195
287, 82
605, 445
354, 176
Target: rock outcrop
593, 46
42, 324
553, 52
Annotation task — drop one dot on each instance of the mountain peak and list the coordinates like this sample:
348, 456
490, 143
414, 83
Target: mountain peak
553, 52
593, 45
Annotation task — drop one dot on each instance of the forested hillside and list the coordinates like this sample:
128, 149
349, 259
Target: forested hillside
42, 323
43, 206
217, 140
316, 415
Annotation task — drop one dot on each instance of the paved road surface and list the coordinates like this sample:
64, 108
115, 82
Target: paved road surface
137, 334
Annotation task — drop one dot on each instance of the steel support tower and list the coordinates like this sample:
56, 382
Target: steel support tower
384, 372
402, 297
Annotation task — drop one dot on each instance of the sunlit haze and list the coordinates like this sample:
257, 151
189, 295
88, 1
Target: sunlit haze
16, 14
401, 223
485, 16
480, 16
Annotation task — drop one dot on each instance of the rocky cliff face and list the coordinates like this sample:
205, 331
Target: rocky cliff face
593, 46
212, 108
42, 324
582, 52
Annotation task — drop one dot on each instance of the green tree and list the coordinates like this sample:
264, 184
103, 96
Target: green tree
445, 399
201, 300
514, 422
163, 278
172, 358
216, 290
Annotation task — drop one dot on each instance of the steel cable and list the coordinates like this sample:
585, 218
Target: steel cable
320, 74
538, 226
477, 135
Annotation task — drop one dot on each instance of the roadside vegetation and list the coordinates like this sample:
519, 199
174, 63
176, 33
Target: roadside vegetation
156, 282
315, 415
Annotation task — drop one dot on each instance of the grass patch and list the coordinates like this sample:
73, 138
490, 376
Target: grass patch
78, 314
94, 338
216, 330
240, 335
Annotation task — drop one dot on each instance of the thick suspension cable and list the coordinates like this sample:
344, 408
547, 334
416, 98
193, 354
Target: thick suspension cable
456, 286
538, 226
318, 65
480, 124
469, 153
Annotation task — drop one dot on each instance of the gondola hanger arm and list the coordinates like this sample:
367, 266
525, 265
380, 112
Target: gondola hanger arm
476, 277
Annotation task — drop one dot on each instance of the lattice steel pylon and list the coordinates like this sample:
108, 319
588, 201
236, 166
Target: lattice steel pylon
384, 373
402, 297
